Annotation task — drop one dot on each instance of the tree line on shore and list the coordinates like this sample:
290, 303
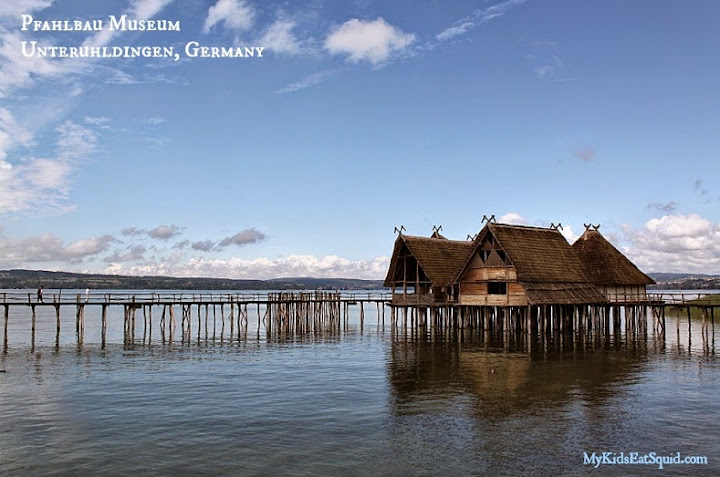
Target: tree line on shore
10, 279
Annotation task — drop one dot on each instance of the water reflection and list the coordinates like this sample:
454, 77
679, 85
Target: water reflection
506, 374
378, 400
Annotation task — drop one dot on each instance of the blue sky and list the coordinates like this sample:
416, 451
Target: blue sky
360, 116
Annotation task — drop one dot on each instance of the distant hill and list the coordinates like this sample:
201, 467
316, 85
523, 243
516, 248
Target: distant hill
685, 281
35, 278
666, 277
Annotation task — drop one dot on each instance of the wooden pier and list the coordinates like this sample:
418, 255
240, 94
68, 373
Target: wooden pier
208, 315
212, 316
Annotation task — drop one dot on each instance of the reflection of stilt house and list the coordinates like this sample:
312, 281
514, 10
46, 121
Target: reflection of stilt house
512, 266
609, 270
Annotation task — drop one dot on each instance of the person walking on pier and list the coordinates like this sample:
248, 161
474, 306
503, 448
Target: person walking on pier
39, 294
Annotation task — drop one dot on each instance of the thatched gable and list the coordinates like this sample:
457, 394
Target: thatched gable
438, 258
538, 254
545, 264
606, 265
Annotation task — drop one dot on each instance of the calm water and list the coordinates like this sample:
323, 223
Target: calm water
376, 401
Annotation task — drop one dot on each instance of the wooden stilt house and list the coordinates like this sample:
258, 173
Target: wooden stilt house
512, 265
422, 269
609, 270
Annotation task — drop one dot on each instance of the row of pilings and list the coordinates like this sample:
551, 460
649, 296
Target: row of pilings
280, 313
531, 319
298, 313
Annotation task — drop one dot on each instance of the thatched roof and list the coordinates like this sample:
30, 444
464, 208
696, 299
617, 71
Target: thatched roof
546, 265
563, 293
606, 265
538, 254
439, 258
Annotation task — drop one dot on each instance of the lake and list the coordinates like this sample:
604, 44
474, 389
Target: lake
381, 400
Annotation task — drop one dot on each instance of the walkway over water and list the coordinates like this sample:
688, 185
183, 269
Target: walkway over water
321, 311
186, 297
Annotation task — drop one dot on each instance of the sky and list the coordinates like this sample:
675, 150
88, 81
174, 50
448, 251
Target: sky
330, 123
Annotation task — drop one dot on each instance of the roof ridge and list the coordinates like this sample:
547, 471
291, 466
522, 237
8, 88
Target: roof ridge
434, 238
520, 226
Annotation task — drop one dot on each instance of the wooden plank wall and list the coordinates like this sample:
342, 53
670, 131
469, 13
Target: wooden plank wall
474, 287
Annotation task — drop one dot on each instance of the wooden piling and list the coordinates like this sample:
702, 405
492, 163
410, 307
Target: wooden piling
104, 325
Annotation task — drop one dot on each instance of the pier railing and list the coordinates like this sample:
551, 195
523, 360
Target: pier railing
51, 297
98, 297
680, 297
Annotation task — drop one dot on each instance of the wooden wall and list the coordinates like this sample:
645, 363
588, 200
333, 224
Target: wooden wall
474, 287
624, 294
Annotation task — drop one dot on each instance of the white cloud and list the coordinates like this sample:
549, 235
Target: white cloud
478, 17
667, 207
372, 41
164, 232
311, 80
676, 243
161, 232
455, 30
129, 231
243, 237
513, 218
16, 253
132, 254
155, 121
569, 234
330, 266
48, 174
11, 133
497, 10
88, 246
102, 122
13, 9
139, 9
75, 141
280, 38
233, 14
42, 184
17, 71
543, 71
203, 245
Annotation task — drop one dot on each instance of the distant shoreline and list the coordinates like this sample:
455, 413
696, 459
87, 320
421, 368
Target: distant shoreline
16, 279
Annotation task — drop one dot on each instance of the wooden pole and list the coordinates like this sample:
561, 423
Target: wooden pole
172, 323
5, 336
104, 325
33, 327
57, 325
